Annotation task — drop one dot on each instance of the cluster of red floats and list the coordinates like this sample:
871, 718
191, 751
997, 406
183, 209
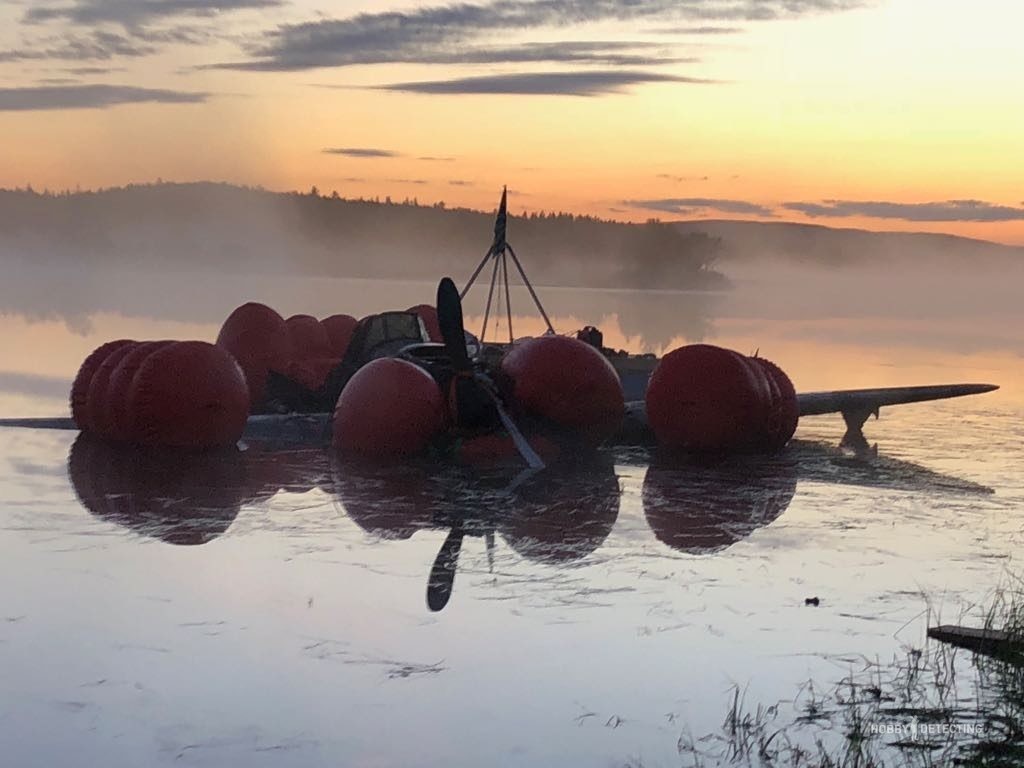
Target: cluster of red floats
191, 394
559, 386
705, 399
176, 394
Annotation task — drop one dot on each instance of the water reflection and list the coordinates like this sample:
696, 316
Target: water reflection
706, 509
554, 517
557, 517
387, 502
561, 518
178, 498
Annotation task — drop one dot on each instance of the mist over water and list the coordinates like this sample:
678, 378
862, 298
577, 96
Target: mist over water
948, 319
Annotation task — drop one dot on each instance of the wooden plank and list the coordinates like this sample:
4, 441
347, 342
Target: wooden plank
990, 642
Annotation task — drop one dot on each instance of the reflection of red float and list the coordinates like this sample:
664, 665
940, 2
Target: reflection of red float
702, 510
180, 498
389, 502
339, 333
562, 517
567, 383
189, 394
389, 408
498, 449
257, 337
707, 399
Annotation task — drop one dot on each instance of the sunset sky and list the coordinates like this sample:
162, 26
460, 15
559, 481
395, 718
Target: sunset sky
883, 114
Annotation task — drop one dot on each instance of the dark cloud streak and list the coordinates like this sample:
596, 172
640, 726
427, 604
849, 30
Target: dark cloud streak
950, 210
89, 97
585, 83
360, 152
686, 206
441, 33
703, 30
131, 13
99, 45
613, 53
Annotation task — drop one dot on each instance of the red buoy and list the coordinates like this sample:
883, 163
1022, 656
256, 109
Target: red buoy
80, 387
311, 374
339, 333
428, 315
389, 408
189, 394
96, 400
785, 410
707, 399
309, 338
256, 336
567, 383
112, 419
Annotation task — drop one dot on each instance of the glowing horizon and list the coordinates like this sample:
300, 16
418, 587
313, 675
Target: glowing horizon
870, 115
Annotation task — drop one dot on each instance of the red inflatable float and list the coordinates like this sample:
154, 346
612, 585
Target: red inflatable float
309, 338
113, 420
189, 394
96, 401
707, 399
567, 383
389, 408
339, 333
80, 387
257, 337
785, 410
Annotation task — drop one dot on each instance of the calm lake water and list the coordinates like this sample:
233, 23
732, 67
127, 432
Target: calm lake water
270, 607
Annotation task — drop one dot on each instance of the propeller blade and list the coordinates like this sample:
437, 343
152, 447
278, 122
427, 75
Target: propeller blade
453, 331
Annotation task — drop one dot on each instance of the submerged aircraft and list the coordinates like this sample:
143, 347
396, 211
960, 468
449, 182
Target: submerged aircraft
398, 384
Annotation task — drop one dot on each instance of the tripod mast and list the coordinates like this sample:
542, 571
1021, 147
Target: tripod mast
500, 252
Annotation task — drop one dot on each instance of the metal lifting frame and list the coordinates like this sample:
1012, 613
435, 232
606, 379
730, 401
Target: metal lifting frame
499, 251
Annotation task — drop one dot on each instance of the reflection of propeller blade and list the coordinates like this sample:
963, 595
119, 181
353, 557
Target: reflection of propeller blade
442, 575
489, 541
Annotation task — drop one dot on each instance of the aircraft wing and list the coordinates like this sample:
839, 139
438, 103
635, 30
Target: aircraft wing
868, 401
